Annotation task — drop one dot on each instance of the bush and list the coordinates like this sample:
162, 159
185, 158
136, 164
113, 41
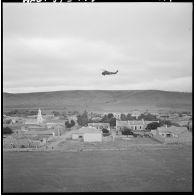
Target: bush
69, 125
105, 130
127, 131
83, 119
7, 130
106, 134
153, 125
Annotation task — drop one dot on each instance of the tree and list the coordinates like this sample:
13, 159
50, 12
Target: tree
123, 117
7, 121
83, 119
110, 115
147, 117
175, 124
33, 112
109, 119
152, 126
166, 122
64, 114
105, 130
129, 117
7, 130
113, 122
55, 113
105, 119
127, 131
69, 124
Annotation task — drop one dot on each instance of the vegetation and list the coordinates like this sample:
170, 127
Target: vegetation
127, 117
69, 124
21, 112
127, 99
127, 131
7, 130
109, 118
105, 130
166, 122
55, 113
152, 126
83, 119
155, 125
147, 117
7, 121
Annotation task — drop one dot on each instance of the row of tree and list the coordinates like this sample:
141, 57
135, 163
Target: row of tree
146, 117
83, 120
21, 112
155, 125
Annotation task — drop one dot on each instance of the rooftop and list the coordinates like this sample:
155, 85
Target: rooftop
98, 123
83, 130
173, 129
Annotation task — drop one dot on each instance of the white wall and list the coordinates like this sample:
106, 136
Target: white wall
92, 137
75, 136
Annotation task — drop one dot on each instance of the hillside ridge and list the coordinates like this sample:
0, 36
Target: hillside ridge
99, 100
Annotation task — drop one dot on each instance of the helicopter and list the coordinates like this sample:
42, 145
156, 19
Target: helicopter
105, 72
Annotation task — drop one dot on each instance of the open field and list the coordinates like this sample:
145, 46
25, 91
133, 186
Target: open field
143, 168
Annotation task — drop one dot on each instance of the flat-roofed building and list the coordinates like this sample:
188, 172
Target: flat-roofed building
137, 125
87, 134
100, 126
172, 134
134, 125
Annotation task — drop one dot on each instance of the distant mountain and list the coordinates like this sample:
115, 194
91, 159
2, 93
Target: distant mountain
100, 100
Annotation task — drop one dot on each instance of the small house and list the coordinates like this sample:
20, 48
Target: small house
100, 126
87, 134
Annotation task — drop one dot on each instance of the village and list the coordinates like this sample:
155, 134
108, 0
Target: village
38, 131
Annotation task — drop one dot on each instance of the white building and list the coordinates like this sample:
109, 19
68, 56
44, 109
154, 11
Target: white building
172, 134
171, 131
134, 125
117, 115
100, 126
39, 117
136, 114
87, 134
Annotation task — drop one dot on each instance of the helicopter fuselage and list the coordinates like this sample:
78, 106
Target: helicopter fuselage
108, 73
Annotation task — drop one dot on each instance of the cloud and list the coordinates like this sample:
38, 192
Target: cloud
67, 47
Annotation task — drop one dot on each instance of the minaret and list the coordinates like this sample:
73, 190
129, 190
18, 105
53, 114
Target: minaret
39, 117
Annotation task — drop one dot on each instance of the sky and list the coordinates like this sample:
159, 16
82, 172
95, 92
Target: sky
66, 46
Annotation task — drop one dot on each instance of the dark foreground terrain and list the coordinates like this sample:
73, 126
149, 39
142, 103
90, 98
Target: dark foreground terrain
147, 168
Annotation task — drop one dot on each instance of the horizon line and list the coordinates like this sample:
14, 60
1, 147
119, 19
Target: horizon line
98, 90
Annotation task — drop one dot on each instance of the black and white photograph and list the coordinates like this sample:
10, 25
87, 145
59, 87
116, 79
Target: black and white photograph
97, 96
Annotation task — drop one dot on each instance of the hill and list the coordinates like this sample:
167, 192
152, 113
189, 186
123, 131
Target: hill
100, 100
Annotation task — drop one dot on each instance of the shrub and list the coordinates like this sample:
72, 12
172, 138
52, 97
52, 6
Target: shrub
153, 125
127, 131
69, 124
83, 119
7, 130
105, 130
106, 134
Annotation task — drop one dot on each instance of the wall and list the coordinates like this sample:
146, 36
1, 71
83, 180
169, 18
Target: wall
183, 138
92, 137
75, 136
